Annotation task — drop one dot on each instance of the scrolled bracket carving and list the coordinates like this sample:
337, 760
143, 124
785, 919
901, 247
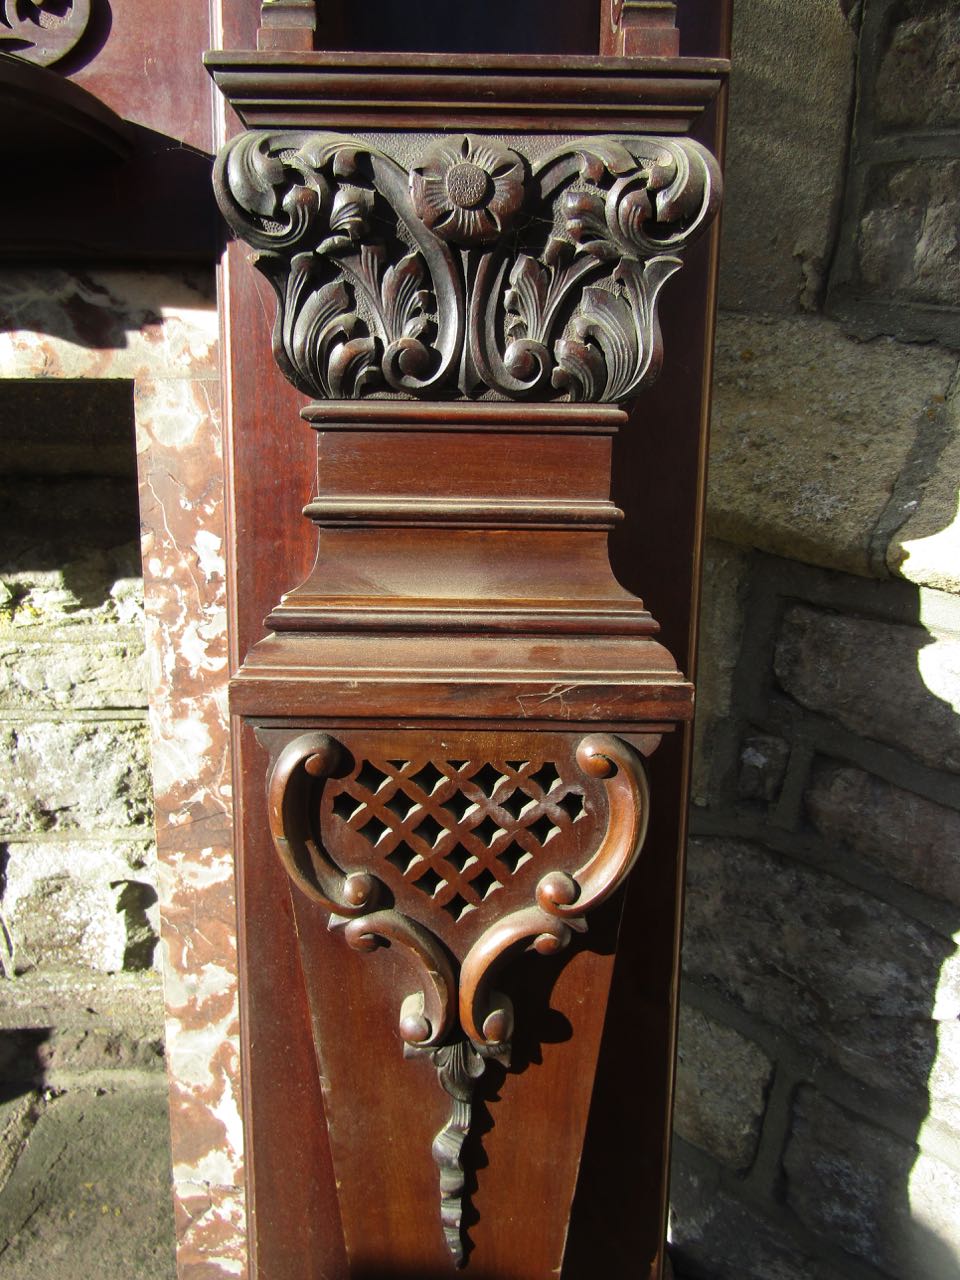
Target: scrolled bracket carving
426, 1016
458, 1047
480, 271
309, 757
601, 755
563, 900
486, 1014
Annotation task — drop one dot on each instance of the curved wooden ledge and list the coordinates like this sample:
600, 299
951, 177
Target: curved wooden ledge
54, 112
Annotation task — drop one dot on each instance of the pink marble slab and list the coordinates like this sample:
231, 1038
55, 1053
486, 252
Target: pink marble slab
160, 331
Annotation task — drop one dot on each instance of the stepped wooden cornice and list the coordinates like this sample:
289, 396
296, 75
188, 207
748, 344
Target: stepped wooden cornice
276, 89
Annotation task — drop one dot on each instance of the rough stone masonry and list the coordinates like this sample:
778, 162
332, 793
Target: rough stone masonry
84, 1143
817, 1125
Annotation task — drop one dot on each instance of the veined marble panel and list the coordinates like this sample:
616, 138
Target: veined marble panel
160, 331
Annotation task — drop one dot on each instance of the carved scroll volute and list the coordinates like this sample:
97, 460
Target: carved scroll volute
601, 755
426, 1016
307, 758
487, 1014
562, 900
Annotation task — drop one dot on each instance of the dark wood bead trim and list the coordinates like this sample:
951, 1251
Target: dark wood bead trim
358, 510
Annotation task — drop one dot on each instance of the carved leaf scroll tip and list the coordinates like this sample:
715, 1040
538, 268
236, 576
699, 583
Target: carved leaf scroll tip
309, 758
459, 1066
614, 761
426, 1015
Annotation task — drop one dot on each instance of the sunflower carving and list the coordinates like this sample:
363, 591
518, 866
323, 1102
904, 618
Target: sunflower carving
468, 190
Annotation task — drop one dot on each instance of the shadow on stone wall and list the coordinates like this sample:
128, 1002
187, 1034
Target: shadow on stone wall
84, 1139
818, 1127
21, 1062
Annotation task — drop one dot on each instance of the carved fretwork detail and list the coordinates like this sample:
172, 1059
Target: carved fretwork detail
476, 271
42, 31
447, 828
457, 831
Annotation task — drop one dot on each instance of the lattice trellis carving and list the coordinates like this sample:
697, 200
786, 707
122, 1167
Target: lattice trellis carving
458, 831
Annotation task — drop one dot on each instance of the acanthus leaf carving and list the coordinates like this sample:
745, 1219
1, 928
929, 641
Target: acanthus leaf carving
477, 271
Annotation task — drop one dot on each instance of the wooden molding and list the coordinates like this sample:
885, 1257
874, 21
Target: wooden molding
457, 701
439, 92
287, 24
639, 27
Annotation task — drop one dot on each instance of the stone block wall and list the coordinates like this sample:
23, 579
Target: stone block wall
817, 1127
899, 271
820, 1051
76, 813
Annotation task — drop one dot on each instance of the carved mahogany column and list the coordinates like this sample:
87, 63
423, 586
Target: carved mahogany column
455, 707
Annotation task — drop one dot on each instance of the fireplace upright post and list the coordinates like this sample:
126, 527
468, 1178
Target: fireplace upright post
445, 730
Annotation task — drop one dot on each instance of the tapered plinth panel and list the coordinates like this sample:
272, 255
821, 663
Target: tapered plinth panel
445, 731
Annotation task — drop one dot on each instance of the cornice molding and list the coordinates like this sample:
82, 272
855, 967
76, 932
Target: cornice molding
439, 92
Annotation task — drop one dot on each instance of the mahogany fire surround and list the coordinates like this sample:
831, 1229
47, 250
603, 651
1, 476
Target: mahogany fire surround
444, 734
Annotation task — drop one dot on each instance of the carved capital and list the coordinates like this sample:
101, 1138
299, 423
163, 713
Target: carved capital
479, 271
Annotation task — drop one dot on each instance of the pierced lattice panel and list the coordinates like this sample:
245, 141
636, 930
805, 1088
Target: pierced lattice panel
459, 836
